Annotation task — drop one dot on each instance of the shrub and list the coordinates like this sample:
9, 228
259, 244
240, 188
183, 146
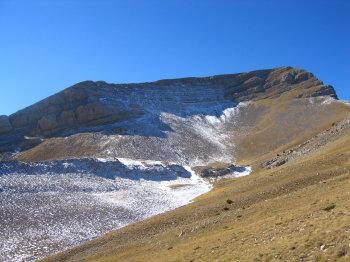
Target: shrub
329, 208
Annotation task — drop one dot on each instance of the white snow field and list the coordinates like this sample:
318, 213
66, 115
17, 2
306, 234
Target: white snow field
47, 207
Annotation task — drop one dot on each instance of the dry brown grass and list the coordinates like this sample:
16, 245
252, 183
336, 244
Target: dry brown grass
286, 122
296, 213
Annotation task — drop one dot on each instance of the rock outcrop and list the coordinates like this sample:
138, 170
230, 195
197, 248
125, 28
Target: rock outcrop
5, 126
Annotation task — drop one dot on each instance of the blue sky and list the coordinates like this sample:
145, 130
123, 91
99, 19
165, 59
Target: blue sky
46, 46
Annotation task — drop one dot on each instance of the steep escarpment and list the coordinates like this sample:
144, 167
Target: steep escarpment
97, 106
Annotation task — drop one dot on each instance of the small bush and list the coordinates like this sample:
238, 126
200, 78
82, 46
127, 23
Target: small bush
229, 201
226, 208
329, 208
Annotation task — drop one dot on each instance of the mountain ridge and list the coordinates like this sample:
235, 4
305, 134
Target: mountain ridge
86, 106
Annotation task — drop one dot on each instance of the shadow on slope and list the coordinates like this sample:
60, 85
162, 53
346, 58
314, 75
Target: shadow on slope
110, 169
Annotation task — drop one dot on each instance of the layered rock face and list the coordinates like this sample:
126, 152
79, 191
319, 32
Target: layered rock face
153, 109
5, 126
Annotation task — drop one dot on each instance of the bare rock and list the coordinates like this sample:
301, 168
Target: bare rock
253, 82
98, 114
68, 118
20, 120
91, 112
5, 126
48, 122
325, 90
303, 76
216, 172
75, 95
288, 78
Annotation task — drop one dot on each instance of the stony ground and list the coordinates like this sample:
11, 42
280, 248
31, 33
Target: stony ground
297, 212
46, 207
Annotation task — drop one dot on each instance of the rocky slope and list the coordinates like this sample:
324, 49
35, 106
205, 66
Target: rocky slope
192, 121
91, 104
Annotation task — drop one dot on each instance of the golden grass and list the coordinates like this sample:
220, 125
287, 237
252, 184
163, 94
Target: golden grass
286, 122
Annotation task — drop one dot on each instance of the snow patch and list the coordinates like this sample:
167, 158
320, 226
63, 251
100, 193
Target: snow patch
328, 100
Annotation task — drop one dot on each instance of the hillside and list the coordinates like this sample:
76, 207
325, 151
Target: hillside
295, 213
264, 154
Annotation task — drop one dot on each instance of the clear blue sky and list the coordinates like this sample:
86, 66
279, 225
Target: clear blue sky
48, 45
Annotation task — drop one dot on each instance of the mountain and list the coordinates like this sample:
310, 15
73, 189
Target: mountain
97, 157
177, 120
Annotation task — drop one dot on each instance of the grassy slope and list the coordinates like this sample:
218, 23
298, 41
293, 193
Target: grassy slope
287, 122
276, 215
